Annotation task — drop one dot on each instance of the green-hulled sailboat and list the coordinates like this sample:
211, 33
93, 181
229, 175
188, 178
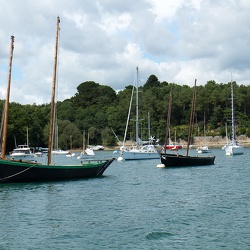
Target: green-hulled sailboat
20, 171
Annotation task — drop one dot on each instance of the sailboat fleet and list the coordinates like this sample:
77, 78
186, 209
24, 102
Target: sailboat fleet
23, 169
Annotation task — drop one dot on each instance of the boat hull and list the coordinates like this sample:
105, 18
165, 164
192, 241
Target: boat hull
139, 155
15, 171
176, 160
173, 147
234, 150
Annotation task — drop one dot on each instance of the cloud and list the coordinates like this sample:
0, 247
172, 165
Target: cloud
104, 41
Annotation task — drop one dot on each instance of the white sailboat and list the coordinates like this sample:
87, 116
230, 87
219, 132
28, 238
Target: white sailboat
139, 151
223, 147
57, 150
87, 152
204, 149
234, 147
70, 154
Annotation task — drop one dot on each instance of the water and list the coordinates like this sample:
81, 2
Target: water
134, 206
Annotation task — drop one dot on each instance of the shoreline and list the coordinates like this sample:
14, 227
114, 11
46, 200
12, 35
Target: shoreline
210, 141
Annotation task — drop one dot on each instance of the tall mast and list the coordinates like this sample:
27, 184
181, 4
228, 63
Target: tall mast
137, 111
168, 120
191, 123
6, 109
232, 97
149, 132
52, 110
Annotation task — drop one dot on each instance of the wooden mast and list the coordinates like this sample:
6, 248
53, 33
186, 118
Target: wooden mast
6, 109
168, 119
191, 123
52, 111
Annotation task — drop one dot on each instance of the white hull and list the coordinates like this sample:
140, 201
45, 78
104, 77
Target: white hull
203, 150
22, 152
137, 155
84, 155
89, 151
71, 155
234, 150
59, 152
25, 157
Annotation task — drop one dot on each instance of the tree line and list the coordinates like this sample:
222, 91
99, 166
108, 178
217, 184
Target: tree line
102, 113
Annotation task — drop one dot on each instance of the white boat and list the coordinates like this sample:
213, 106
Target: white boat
234, 147
87, 152
22, 152
203, 149
141, 153
59, 152
224, 147
98, 147
138, 152
70, 154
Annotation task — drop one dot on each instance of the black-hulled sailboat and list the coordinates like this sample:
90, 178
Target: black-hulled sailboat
178, 160
24, 171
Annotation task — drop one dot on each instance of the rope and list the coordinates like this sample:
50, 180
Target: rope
8, 177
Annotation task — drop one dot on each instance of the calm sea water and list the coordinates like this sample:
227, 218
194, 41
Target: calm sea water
135, 205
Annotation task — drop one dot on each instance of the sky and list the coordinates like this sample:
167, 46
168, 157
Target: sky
104, 41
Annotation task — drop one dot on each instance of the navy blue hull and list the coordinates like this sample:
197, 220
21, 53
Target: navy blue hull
175, 160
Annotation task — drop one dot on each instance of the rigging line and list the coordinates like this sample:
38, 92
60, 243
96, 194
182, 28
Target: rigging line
10, 176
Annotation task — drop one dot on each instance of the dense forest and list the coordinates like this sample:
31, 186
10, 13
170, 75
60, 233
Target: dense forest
102, 113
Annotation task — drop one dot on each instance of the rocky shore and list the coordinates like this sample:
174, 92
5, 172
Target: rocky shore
211, 142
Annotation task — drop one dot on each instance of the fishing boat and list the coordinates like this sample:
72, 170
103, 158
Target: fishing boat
178, 160
139, 151
24, 171
234, 147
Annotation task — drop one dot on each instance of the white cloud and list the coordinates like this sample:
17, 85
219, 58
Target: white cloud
103, 41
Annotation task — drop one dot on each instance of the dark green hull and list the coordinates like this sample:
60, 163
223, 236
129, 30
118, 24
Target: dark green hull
15, 171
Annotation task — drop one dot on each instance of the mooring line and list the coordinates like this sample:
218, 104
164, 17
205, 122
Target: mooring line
8, 177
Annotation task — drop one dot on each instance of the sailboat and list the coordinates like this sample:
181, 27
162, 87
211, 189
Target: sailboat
172, 146
24, 171
87, 152
223, 147
57, 150
139, 151
203, 149
70, 154
178, 160
234, 147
